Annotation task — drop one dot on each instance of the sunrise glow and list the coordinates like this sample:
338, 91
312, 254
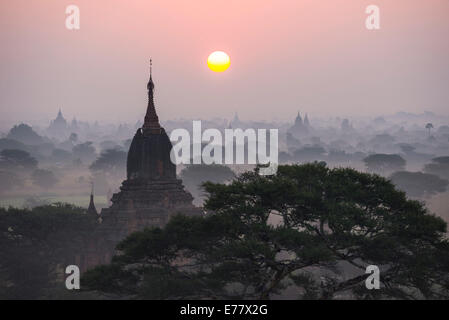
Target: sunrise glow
218, 61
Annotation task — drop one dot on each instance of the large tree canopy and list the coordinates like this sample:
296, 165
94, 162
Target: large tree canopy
193, 176
384, 163
418, 184
34, 242
84, 151
309, 227
110, 161
12, 159
439, 166
25, 134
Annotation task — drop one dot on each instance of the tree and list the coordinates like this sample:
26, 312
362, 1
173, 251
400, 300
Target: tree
60, 155
384, 163
25, 134
44, 178
193, 176
443, 130
34, 242
309, 153
108, 145
382, 139
33, 202
429, 127
309, 226
84, 151
110, 161
12, 144
73, 137
12, 159
407, 149
418, 184
439, 166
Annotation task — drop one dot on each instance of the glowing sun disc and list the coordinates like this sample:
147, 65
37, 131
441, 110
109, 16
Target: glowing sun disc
218, 61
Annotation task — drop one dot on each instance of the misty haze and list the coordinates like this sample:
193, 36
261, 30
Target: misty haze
92, 205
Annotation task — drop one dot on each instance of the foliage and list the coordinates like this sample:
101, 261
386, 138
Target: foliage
193, 176
84, 151
32, 244
12, 159
304, 227
418, 184
33, 202
309, 153
384, 163
73, 137
382, 139
25, 134
109, 144
12, 144
407, 149
61, 155
439, 166
110, 161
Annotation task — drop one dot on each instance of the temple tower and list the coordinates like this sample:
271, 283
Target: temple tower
151, 194
59, 125
91, 209
300, 128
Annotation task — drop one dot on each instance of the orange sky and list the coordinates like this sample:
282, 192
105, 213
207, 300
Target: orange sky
308, 55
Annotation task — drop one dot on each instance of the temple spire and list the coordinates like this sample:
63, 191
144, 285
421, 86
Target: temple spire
298, 119
59, 116
91, 209
151, 119
306, 120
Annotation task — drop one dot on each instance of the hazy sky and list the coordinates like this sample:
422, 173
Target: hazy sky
309, 55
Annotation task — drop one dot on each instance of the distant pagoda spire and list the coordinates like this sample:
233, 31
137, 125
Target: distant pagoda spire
298, 120
91, 209
306, 120
151, 122
60, 117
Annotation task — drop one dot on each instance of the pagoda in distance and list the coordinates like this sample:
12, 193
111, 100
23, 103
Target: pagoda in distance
59, 125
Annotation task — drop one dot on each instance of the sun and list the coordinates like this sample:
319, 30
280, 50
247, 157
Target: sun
218, 61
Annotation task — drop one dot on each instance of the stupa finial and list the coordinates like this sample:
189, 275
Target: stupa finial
151, 118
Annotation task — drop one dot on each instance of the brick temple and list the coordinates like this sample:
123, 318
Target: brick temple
149, 196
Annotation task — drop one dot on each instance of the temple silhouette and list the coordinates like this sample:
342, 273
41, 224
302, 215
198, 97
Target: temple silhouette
59, 125
92, 209
149, 196
300, 127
